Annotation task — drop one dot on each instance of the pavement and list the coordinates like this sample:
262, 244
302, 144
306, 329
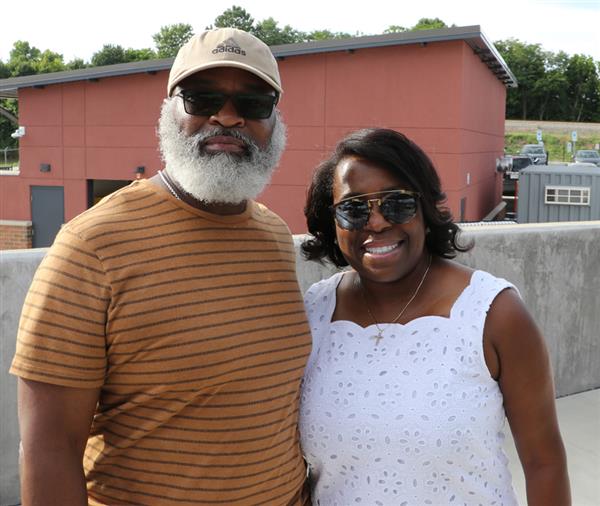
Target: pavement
579, 419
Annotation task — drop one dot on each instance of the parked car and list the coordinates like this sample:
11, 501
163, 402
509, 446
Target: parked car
536, 152
514, 164
587, 156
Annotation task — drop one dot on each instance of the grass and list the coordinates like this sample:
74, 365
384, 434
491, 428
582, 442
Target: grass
555, 144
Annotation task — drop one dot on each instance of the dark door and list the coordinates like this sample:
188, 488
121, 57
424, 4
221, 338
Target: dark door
47, 214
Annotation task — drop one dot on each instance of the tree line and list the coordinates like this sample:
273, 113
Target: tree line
552, 86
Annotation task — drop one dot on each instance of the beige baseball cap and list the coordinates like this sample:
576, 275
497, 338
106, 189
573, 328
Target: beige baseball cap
224, 47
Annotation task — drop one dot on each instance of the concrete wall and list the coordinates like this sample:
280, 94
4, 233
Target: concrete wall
16, 271
555, 266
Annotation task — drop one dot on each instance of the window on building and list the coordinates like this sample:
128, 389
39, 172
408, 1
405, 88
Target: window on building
567, 195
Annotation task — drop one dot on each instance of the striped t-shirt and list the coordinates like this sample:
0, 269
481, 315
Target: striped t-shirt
193, 326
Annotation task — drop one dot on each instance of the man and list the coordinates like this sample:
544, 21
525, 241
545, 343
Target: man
163, 338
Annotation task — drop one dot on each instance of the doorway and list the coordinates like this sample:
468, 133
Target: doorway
47, 214
100, 188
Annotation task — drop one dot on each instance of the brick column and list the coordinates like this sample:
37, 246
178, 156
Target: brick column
15, 234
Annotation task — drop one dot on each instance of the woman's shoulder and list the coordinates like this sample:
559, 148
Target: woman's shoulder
322, 288
488, 282
460, 275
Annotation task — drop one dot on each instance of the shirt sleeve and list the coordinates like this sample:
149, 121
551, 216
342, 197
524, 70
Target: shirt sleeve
61, 337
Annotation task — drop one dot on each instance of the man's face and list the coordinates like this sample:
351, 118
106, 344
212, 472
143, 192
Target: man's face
228, 81
221, 157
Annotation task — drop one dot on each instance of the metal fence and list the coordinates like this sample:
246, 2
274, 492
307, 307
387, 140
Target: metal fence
9, 157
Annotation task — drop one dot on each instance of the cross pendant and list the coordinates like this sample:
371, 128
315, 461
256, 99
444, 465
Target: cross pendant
377, 338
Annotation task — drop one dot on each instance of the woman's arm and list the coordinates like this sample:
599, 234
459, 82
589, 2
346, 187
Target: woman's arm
515, 348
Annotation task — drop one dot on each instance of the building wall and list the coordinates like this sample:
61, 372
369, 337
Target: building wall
483, 111
438, 94
84, 130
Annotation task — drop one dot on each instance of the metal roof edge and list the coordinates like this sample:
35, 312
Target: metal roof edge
368, 41
472, 35
498, 57
561, 169
65, 76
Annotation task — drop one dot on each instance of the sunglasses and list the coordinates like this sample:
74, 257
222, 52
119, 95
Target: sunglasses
247, 105
396, 206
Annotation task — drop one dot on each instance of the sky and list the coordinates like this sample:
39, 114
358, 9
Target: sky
79, 28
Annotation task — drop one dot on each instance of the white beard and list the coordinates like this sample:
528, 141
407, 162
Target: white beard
222, 177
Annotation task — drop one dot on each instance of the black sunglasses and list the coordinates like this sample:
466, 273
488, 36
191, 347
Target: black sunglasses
396, 206
247, 105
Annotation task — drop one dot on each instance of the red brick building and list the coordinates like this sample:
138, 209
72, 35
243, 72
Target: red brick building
90, 131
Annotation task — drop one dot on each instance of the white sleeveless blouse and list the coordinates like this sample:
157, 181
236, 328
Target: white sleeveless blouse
416, 420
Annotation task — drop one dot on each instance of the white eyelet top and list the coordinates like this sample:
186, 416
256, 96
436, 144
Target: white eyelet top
416, 420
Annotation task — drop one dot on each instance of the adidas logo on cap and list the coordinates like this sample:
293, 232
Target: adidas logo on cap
229, 46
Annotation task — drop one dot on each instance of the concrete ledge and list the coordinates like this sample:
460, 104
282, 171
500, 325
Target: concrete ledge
555, 266
16, 272
15, 223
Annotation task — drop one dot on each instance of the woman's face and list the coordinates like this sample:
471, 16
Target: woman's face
381, 251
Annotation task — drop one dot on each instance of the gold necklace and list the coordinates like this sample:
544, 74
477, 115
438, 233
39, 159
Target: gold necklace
379, 335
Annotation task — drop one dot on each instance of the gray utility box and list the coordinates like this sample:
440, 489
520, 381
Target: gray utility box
548, 193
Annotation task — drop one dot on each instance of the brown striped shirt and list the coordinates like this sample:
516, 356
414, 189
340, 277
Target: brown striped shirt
193, 326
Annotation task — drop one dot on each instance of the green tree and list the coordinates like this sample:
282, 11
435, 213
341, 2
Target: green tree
139, 54
395, 29
50, 61
429, 24
551, 89
8, 122
327, 35
4, 70
269, 32
583, 88
27, 60
170, 38
22, 59
109, 55
76, 64
528, 64
235, 17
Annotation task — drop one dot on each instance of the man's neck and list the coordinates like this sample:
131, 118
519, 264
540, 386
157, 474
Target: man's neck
221, 208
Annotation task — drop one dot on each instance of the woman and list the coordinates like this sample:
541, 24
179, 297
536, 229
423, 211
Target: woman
416, 358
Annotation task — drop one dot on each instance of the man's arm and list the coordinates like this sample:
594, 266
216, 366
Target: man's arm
54, 422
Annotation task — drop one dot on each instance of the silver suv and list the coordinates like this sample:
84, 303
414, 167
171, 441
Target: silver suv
587, 156
536, 153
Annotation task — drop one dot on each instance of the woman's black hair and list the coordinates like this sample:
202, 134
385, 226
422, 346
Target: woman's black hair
394, 152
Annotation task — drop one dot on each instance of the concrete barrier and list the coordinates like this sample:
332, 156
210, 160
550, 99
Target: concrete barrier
556, 267
16, 271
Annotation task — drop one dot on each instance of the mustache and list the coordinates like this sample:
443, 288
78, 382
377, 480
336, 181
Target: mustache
200, 138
